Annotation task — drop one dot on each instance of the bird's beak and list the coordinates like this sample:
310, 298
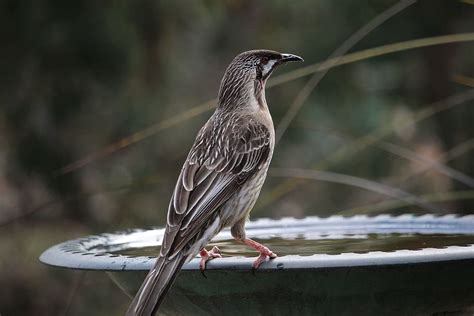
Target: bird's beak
290, 57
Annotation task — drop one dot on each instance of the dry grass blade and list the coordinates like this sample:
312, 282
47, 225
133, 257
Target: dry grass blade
331, 62
370, 139
117, 283
78, 281
371, 53
48, 204
459, 150
455, 152
438, 165
389, 205
384, 131
355, 182
432, 164
21, 214
402, 152
139, 136
467, 81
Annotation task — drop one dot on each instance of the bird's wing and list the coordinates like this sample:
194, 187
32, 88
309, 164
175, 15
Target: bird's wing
221, 160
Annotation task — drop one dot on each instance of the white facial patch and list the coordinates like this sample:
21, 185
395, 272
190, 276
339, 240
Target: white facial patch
267, 68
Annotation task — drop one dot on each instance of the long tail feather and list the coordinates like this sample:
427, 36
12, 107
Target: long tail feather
156, 285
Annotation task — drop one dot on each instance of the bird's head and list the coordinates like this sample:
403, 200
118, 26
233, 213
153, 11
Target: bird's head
248, 73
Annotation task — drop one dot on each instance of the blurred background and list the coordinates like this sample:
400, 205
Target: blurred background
100, 102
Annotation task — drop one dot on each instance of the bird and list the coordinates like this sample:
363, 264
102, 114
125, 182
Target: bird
221, 178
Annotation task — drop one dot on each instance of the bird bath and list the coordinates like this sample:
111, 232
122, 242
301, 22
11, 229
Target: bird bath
360, 265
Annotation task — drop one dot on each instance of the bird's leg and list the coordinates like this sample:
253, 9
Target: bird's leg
264, 252
208, 255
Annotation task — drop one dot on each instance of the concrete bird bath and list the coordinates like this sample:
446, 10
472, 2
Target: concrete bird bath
360, 265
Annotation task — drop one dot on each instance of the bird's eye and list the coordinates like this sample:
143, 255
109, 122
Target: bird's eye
264, 60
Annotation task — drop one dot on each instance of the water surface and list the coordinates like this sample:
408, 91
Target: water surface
321, 244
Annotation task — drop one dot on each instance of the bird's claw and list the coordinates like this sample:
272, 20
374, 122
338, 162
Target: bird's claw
206, 256
264, 254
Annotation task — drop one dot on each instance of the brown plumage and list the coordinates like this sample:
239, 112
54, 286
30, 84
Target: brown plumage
221, 177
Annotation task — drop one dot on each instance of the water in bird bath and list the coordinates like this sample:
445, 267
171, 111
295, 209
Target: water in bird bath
315, 244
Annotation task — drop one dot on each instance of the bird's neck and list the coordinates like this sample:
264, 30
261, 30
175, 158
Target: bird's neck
248, 96
259, 94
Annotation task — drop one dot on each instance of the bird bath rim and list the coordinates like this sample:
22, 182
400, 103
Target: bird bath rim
85, 253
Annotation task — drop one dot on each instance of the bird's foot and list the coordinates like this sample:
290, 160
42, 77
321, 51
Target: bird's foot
208, 255
264, 253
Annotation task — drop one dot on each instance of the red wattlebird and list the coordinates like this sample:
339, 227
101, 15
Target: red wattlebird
221, 177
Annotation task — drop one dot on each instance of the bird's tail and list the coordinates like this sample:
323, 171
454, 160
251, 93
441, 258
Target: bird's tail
156, 285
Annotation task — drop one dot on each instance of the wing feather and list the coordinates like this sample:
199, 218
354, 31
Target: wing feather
180, 196
189, 172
